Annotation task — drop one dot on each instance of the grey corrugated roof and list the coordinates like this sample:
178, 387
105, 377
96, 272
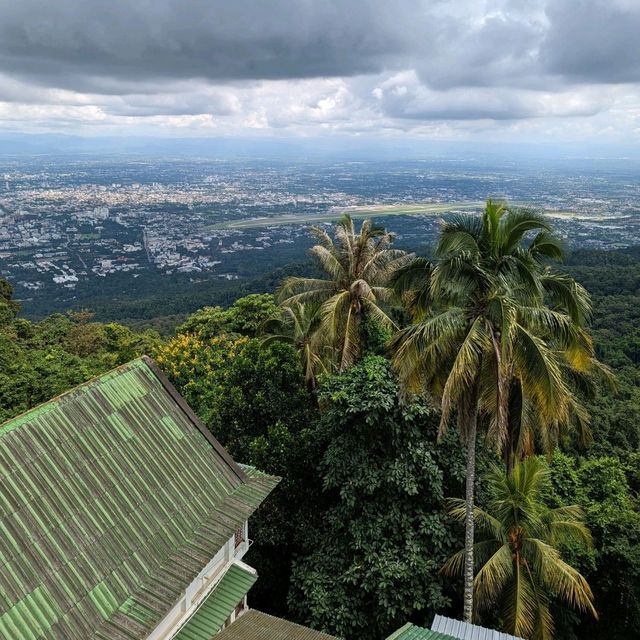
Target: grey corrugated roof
255, 625
466, 631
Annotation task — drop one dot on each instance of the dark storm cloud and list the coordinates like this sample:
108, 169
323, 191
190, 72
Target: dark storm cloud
71, 42
593, 40
356, 63
105, 47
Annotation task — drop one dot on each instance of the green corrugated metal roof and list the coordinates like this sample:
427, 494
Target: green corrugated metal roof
219, 604
113, 499
411, 632
254, 625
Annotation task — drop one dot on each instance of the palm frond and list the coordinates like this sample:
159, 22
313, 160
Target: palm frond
546, 245
294, 285
323, 237
377, 314
349, 347
460, 234
492, 577
566, 294
463, 372
519, 603
485, 522
411, 284
517, 223
539, 371
562, 579
426, 341
328, 261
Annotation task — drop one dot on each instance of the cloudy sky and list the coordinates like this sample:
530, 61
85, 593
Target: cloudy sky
443, 69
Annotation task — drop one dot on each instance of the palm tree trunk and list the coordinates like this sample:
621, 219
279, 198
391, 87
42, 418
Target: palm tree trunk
469, 523
509, 455
502, 400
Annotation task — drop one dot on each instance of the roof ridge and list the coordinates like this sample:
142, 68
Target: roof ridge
21, 418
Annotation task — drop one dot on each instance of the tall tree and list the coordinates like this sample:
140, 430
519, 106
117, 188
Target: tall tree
518, 557
490, 315
297, 325
364, 570
244, 317
358, 266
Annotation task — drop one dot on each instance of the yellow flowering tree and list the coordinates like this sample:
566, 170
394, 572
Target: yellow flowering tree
237, 386
189, 358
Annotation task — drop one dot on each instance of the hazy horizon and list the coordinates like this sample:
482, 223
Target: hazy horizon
17, 144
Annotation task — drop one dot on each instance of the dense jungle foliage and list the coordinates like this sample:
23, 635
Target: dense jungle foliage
354, 538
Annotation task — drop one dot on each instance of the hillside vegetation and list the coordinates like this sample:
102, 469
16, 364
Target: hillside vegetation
354, 539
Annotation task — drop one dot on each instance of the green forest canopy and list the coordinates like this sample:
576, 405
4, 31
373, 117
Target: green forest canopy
346, 533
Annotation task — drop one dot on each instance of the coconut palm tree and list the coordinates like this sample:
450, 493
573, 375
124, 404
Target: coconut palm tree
357, 266
542, 351
487, 314
297, 325
518, 556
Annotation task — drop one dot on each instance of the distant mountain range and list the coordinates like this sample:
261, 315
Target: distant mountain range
338, 147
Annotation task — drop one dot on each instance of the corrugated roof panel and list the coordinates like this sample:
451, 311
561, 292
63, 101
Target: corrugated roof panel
413, 632
219, 604
255, 625
466, 631
113, 498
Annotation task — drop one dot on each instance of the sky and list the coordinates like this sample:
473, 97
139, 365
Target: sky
505, 70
